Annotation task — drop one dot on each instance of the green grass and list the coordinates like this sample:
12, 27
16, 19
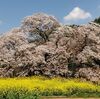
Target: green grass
35, 87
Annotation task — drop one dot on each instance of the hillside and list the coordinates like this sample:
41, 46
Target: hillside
43, 46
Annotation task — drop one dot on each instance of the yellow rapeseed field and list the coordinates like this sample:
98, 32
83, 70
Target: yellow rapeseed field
43, 83
45, 86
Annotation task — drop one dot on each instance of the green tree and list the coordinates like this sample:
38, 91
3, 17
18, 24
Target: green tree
97, 20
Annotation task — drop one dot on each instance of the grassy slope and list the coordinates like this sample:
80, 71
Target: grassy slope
31, 88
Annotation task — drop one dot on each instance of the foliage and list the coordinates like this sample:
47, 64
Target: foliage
97, 20
34, 87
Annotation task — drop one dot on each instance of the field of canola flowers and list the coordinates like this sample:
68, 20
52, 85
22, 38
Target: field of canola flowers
35, 87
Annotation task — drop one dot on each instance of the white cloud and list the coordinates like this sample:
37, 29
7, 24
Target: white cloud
77, 14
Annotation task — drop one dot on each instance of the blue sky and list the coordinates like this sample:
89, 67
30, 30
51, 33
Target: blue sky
66, 11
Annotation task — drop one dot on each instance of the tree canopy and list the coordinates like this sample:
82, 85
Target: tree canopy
97, 20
